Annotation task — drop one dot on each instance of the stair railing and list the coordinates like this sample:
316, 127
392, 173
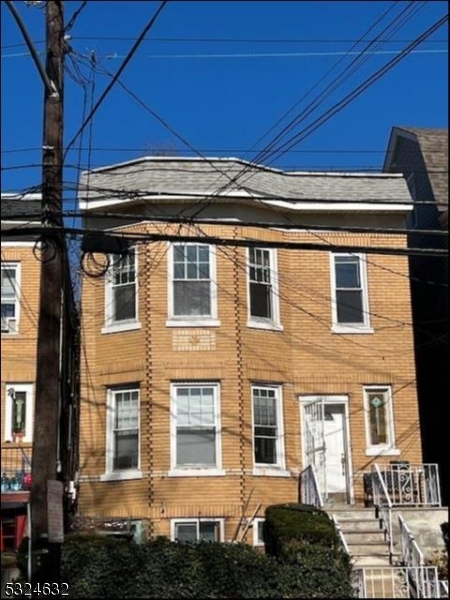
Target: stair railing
309, 492
383, 504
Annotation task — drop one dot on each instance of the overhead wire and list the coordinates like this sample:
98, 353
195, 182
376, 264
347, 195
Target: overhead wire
120, 70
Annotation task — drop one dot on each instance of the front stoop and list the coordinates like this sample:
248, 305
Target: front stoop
364, 536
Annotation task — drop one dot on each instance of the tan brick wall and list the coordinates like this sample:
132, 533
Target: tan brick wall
18, 351
305, 358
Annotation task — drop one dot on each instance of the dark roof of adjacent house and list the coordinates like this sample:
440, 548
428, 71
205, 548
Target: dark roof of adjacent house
232, 177
20, 207
433, 143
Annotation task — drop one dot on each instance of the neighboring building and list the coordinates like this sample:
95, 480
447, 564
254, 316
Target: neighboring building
214, 374
20, 281
421, 155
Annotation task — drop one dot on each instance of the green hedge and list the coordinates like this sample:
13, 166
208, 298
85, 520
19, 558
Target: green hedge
301, 522
102, 567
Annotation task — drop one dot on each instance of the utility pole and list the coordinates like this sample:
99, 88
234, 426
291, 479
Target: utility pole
45, 467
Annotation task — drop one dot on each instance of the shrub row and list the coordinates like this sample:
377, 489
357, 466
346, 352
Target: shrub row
103, 567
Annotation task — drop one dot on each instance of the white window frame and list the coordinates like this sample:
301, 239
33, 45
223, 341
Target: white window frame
111, 325
28, 388
279, 468
13, 322
197, 521
194, 320
264, 322
389, 448
122, 474
257, 542
364, 326
193, 470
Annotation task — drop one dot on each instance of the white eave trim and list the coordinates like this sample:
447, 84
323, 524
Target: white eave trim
305, 206
323, 206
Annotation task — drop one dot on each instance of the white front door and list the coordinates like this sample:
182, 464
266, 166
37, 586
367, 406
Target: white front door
334, 434
325, 443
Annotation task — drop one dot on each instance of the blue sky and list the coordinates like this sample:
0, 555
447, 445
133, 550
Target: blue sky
222, 96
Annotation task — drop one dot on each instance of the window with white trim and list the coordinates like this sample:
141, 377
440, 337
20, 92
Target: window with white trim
379, 418
122, 453
121, 289
197, 530
268, 438
10, 297
258, 532
195, 426
192, 281
19, 412
349, 292
262, 286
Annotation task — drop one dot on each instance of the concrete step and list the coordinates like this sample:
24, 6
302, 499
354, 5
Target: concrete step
370, 561
364, 536
369, 549
358, 513
359, 524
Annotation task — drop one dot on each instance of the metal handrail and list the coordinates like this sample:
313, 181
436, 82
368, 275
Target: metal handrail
412, 555
383, 504
341, 535
309, 487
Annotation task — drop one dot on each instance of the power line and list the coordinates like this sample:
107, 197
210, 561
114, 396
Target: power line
330, 87
244, 242
108, 88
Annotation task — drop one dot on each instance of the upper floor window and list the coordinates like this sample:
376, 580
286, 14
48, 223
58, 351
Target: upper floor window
268, 438
10, 297
122, 291
379, 420
122, 452
195, 426
193, 292
350, 301
262, 287
18, 412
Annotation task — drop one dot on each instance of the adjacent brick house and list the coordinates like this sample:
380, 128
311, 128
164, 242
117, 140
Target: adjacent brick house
421, 155
213, 374
20, 283
20, 302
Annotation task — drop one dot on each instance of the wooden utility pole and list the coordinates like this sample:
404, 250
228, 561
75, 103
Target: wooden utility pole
45, 468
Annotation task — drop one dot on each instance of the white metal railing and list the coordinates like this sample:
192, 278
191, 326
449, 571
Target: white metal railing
383, 504
412, 484
396, 582
412, 556
443, 588
341, 535
309, 488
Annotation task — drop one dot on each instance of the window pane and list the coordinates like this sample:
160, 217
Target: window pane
378, 419
8, 310
265, 450
19, 407
8, 282
260, 300
349, 307
347, 272
196, 447
124, 302
260, 532
192, 298
126, 450
208, 531
186, 532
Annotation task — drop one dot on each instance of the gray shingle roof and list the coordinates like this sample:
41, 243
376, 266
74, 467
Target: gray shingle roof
185, 176
434, 147
18, 207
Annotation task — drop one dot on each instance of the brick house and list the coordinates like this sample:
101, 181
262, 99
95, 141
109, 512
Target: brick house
421, 155
219, 361
20, 282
